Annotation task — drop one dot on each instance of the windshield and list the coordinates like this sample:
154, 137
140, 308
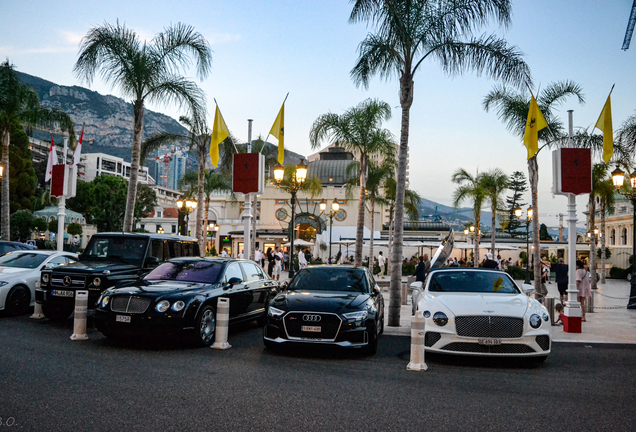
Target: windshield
187, 271
22, 260
125, 249
472, 282
330, 279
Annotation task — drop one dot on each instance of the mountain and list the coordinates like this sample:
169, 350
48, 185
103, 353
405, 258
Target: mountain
456, 218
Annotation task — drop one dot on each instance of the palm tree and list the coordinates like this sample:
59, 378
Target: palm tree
407, 33
607, 198
512, 108
495, 183
144, 71
358, 130
471, 188
19, 103
411, 207
602, 187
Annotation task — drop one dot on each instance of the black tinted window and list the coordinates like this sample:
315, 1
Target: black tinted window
330, 279
233, 271
22, 260
156, 249
187, 271
472, 281
252, 272
126, 249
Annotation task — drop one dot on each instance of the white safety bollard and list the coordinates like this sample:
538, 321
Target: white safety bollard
81, 313
37, 310
222, 321
417, 343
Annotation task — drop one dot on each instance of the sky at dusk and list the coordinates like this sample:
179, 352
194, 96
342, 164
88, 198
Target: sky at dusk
264, 49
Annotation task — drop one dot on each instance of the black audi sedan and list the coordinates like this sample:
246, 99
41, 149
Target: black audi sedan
179, 297
331, 305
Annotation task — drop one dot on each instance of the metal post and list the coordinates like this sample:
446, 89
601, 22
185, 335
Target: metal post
291, 235
330, 229
631, 302
61, 208
247, 213
527, 250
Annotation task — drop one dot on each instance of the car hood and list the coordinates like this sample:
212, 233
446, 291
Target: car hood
320, 301
157, 288
97, 266
10, 273
483, 304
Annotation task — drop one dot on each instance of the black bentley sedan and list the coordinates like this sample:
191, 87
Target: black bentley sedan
179, 297
331, 305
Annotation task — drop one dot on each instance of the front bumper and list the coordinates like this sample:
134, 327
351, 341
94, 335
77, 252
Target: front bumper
45, 296
535, 344
151, 325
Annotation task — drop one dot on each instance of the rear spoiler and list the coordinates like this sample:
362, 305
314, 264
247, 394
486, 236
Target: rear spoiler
443, 250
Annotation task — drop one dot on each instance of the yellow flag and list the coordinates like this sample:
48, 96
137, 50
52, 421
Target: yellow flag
604, 123
219, 133
278, 131
534, 124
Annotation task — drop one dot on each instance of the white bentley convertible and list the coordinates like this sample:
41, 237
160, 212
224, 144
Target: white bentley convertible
481, 312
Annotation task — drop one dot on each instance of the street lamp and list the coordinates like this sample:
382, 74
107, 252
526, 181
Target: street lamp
618, 178
292, 186
518, 213
160, 230
335, 206
185, 208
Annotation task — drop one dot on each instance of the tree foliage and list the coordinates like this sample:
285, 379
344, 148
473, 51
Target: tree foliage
543, 233
22, 176
21, 225
517, 186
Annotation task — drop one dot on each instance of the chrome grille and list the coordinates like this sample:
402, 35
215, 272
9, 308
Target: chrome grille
469, 347
329, 325
489, 327
57, 280
129, 304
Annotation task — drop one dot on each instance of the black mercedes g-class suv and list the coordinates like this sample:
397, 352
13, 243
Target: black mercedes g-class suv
109, 259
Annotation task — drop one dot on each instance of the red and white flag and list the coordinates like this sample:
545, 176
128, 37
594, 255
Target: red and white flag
78, 149
52, 161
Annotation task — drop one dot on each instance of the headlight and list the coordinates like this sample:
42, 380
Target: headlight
440, 319
356, 316
162, 306
535, 321
97, 282
273, 312
545, 317
105, 301
178, 305
427, 314
45, 278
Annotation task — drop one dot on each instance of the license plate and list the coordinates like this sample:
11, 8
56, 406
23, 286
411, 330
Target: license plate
61, 293
122, 318
489, 341
315, 329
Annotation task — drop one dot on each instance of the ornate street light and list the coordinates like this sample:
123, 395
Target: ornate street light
618, 178
518, 214
335, 206
1, 171
185, 208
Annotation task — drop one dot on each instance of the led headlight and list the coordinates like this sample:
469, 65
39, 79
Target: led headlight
97, 282
440, 319
275, 313
178, 305
45, 278
545, 317
162, 306
356, 316
104, 301
535, 321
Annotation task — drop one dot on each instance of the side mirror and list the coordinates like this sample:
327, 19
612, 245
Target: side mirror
376, 289
48, 266
527, 289
284, 286
234, 281
152, 262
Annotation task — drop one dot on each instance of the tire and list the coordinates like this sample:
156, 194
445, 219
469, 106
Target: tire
57, 313
372, 346
381, 325
262, 320
269, 344
18, 301
205, 328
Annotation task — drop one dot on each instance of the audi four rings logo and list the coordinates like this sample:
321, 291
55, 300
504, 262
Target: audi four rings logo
312, 318
67, 280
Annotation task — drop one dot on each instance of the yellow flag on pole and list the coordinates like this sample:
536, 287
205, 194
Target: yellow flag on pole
534, 124
219, 134
604, 123
278, 131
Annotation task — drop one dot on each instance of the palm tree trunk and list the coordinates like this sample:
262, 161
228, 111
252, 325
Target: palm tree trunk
200, 226
533, 174
138, 127
602, 241
592, 215
207, 214
406, 100
6, 211
360, 228
371, 261
391, 222
492, 229
477, 239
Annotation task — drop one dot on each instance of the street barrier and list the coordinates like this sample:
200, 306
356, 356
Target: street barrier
222, 322
417, 343
550, 303
590, 302
37, 310
81, 313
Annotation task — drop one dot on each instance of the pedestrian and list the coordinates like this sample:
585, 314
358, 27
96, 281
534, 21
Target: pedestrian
420, 270
561, 271
559, 309
224, 253
545, 269
278, 266
270, 262
583, 285
258, 256
382, 263
286, 260
489, 262
240, 255
302, 261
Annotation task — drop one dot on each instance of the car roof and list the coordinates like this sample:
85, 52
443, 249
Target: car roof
464, 269
43, 252
151, 235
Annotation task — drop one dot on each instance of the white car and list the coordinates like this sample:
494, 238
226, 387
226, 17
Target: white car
19, 271
481, 312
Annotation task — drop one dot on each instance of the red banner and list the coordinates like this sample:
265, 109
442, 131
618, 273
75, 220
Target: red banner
576, 171
245, 174
57, 181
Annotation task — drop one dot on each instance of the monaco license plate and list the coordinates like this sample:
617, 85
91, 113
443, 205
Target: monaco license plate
62, 293
122, 318
489, 342
314, 329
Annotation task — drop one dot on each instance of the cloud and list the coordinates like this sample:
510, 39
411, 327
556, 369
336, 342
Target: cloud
223, 38
71, 37
11, 51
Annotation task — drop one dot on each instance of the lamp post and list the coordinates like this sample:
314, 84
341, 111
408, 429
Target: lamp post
335, 206
618, 178
518, 213
185, 208
291, 185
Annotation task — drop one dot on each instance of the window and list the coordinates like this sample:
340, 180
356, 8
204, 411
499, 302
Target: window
613, 237
156, 249
233, 270
174, 249
624, 237
174, 229
252, 272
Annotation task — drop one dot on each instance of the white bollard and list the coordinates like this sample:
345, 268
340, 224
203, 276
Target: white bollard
81, 313
222, 320
37, 310
417, 343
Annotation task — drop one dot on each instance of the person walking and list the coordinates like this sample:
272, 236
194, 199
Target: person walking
420, 270
258, 256
382, 263
302, 261
561, 271
270, 262
583, 285
278, 265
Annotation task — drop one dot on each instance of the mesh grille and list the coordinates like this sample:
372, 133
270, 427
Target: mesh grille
489, 326
544, 342
431, 338
329, 325
469, 347
129, 304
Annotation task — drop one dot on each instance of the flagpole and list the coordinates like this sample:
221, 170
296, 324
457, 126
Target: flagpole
268, 133
217, 107
61, 207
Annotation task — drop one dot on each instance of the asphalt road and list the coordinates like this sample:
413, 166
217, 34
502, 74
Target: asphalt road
50, 383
